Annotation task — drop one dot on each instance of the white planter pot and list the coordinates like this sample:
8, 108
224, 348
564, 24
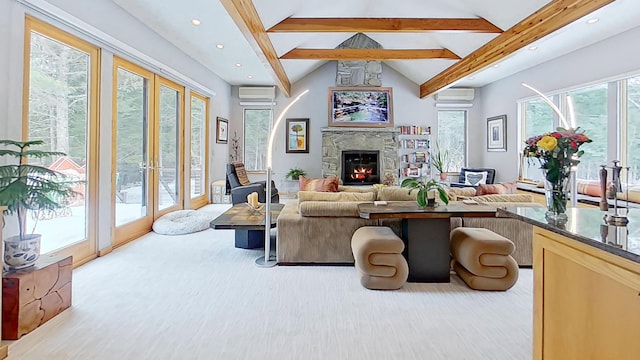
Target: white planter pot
19, 254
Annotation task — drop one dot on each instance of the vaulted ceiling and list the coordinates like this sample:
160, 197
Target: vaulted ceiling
436, 44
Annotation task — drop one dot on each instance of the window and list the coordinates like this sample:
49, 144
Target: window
198, 168
452, 125
61, 75
538, 118
256, 131
590, 106
631, 156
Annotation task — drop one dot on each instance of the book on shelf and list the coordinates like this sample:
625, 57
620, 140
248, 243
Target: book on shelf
414, 130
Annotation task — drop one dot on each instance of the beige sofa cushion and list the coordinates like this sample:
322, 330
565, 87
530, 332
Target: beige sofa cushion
462, 192
394, 193
329, 209
357, 189
335, 196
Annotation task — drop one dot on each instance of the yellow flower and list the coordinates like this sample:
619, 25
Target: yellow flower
547, 143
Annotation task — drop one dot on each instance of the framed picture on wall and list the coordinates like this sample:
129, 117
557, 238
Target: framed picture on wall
497, 133
222, 130
297, 141
360, 107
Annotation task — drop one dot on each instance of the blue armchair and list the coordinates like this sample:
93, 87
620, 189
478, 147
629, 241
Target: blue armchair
239, 191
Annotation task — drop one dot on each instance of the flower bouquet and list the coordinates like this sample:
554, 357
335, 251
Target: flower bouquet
558, 153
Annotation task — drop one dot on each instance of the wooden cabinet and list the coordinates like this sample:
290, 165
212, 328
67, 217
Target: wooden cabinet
586, 301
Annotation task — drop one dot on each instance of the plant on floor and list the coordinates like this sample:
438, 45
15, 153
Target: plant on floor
25, 187
423, 188
295, 173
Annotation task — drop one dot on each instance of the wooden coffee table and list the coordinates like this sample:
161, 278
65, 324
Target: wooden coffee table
247, 223
425, 232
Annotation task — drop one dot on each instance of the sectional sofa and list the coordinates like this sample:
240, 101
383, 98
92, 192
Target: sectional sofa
317, 227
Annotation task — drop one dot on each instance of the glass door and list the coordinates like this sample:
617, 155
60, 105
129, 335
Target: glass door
168, 147
146, 154
133, 112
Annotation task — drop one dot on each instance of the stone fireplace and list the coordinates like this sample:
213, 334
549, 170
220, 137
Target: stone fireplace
336, 140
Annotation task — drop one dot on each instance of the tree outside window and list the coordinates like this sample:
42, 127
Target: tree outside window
256, 131
451, 136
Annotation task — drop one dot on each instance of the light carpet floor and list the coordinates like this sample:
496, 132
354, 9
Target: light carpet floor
197, 297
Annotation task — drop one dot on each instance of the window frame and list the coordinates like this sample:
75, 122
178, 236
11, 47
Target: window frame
465, 136
244, 136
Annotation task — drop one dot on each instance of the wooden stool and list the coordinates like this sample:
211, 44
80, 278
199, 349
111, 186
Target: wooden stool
32, 296
379, 261
482, 259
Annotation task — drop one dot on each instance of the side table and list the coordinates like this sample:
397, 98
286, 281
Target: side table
32, 296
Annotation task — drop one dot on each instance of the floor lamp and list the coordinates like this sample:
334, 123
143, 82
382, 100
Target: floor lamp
268, 260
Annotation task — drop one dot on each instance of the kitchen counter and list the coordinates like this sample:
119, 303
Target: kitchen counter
588, 226
586, 282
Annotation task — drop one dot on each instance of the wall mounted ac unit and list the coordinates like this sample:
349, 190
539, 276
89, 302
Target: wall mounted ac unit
257, 93
455, 94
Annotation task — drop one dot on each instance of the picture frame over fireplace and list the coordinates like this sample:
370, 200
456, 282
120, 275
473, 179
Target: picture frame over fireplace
361, 106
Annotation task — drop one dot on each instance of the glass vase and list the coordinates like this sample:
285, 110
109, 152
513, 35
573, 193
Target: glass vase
556, 195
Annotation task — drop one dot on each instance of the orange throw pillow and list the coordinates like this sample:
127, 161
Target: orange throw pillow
504, 188
329, 184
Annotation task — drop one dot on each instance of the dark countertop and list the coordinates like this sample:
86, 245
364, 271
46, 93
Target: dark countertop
589, 227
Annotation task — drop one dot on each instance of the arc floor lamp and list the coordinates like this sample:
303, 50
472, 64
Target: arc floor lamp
269, 260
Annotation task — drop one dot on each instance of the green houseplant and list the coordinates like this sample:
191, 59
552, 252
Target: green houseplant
295, 173
423, 188
441, 161
25, 187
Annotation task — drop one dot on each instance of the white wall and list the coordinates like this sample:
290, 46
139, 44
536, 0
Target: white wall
408, 109
116, 23
600, 62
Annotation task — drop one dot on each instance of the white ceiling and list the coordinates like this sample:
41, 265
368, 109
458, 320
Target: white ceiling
172, 20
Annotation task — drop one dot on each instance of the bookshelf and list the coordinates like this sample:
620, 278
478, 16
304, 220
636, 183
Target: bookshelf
414, 143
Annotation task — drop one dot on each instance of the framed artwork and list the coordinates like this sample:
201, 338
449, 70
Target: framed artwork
497, 133
297, 136
222, 130
360, 107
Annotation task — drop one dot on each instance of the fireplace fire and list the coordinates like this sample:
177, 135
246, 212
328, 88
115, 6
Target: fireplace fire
360, 167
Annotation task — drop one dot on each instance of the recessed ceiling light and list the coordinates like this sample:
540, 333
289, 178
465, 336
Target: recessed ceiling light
533, 48
593, 20
472, 78
195, 22
249, 76
238, 65
219, 46
496, 65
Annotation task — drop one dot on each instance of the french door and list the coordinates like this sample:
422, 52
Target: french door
147, 156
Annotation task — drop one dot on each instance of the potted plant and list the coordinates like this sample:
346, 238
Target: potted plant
25, 187
295, 173
441, 161
424, 187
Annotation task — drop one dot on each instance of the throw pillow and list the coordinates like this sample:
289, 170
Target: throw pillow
504, 188
591, 188
334, 196
329, 184
241, 172
475, 178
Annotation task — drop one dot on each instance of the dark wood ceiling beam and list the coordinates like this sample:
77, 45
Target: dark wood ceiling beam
369, 54
476, 25
246, 17
553, 16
